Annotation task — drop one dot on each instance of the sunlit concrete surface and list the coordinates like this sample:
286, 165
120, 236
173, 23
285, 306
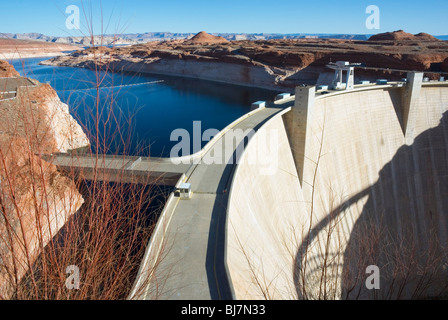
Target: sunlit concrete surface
365, 179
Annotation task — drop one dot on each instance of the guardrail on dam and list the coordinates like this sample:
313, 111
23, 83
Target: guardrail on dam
361, 179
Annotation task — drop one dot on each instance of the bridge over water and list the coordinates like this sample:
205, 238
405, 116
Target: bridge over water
115, 168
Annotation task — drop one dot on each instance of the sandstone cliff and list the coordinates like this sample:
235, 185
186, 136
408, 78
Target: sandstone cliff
35, 199
17, 49
61, 131
7, 70
444, 66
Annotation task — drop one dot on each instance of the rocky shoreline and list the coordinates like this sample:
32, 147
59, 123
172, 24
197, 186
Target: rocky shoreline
259, 76
271, 64
20, 49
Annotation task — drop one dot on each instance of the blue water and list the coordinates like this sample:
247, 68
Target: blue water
138, 112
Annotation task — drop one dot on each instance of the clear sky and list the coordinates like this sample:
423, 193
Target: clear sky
232, 16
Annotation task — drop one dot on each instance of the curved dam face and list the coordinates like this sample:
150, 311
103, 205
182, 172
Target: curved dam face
265, 205
357, 205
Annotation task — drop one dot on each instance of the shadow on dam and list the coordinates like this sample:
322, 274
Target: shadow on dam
402, 228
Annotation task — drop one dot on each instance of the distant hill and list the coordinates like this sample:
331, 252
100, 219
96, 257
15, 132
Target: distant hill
204, 37
135, 38
26, 36
400, 35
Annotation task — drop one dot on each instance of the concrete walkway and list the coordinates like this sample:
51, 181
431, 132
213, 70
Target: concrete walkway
8, 86
158, 171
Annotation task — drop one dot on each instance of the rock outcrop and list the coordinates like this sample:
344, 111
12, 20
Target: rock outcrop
204, 37
7, 70
400, 35
60, 130
35, 199
36, 202
444, 65
274, 64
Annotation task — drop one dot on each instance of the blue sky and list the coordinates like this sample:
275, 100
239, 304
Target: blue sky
233, 16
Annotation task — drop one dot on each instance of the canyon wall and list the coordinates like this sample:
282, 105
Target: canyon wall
260, 76
35, 199
19, 49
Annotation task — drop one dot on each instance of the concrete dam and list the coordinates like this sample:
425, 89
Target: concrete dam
351, 181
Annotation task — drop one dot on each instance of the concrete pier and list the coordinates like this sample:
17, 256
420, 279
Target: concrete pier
411, 109
301, 118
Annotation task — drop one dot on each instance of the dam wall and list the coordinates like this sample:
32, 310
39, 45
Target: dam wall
262, 209
361, 180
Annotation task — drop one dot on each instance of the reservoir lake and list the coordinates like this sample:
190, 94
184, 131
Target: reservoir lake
138, 112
